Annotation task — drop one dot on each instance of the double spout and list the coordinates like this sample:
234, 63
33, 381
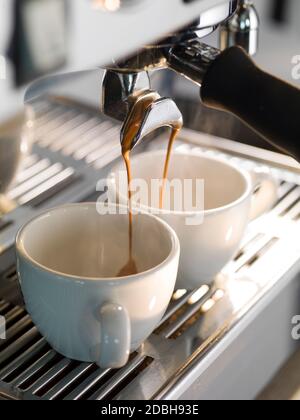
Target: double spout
128, 98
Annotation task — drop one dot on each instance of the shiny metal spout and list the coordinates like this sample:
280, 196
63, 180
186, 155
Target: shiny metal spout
242, 29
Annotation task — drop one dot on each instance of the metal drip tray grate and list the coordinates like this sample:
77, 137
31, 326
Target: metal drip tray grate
72, 146
38, 180
72, 150
31, 369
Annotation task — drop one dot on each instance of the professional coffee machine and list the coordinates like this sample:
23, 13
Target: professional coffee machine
229, 80
221, 341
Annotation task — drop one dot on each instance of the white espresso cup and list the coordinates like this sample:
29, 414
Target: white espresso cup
68, 261
210, 235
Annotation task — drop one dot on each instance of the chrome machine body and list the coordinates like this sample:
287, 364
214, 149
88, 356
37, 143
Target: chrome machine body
182, 51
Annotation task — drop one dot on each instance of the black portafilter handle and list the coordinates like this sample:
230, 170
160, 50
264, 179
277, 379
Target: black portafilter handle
270, 106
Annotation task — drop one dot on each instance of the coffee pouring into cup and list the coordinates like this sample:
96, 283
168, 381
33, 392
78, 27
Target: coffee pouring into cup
210, 234
68, 263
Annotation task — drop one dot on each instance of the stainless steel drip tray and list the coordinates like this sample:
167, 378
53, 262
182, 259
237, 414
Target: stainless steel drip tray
198, 326
218, 342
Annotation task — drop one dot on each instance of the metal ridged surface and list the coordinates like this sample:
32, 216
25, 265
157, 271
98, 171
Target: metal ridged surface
82, 136
71, 144
74, 142
39, 372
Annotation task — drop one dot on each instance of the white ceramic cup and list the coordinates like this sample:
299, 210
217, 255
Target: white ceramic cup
230, 202
68, 259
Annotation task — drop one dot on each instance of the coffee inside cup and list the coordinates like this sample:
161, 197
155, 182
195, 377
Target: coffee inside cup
84, 244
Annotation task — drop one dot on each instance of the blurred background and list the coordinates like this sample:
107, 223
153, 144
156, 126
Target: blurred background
37, 38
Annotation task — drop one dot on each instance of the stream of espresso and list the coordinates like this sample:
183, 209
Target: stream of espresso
174, 134
130, 268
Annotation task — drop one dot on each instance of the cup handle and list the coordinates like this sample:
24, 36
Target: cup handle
265, 193
115, 336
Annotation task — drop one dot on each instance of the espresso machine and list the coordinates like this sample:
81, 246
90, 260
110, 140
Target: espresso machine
222, 341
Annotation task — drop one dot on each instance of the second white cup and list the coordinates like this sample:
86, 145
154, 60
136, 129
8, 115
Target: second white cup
231, 200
